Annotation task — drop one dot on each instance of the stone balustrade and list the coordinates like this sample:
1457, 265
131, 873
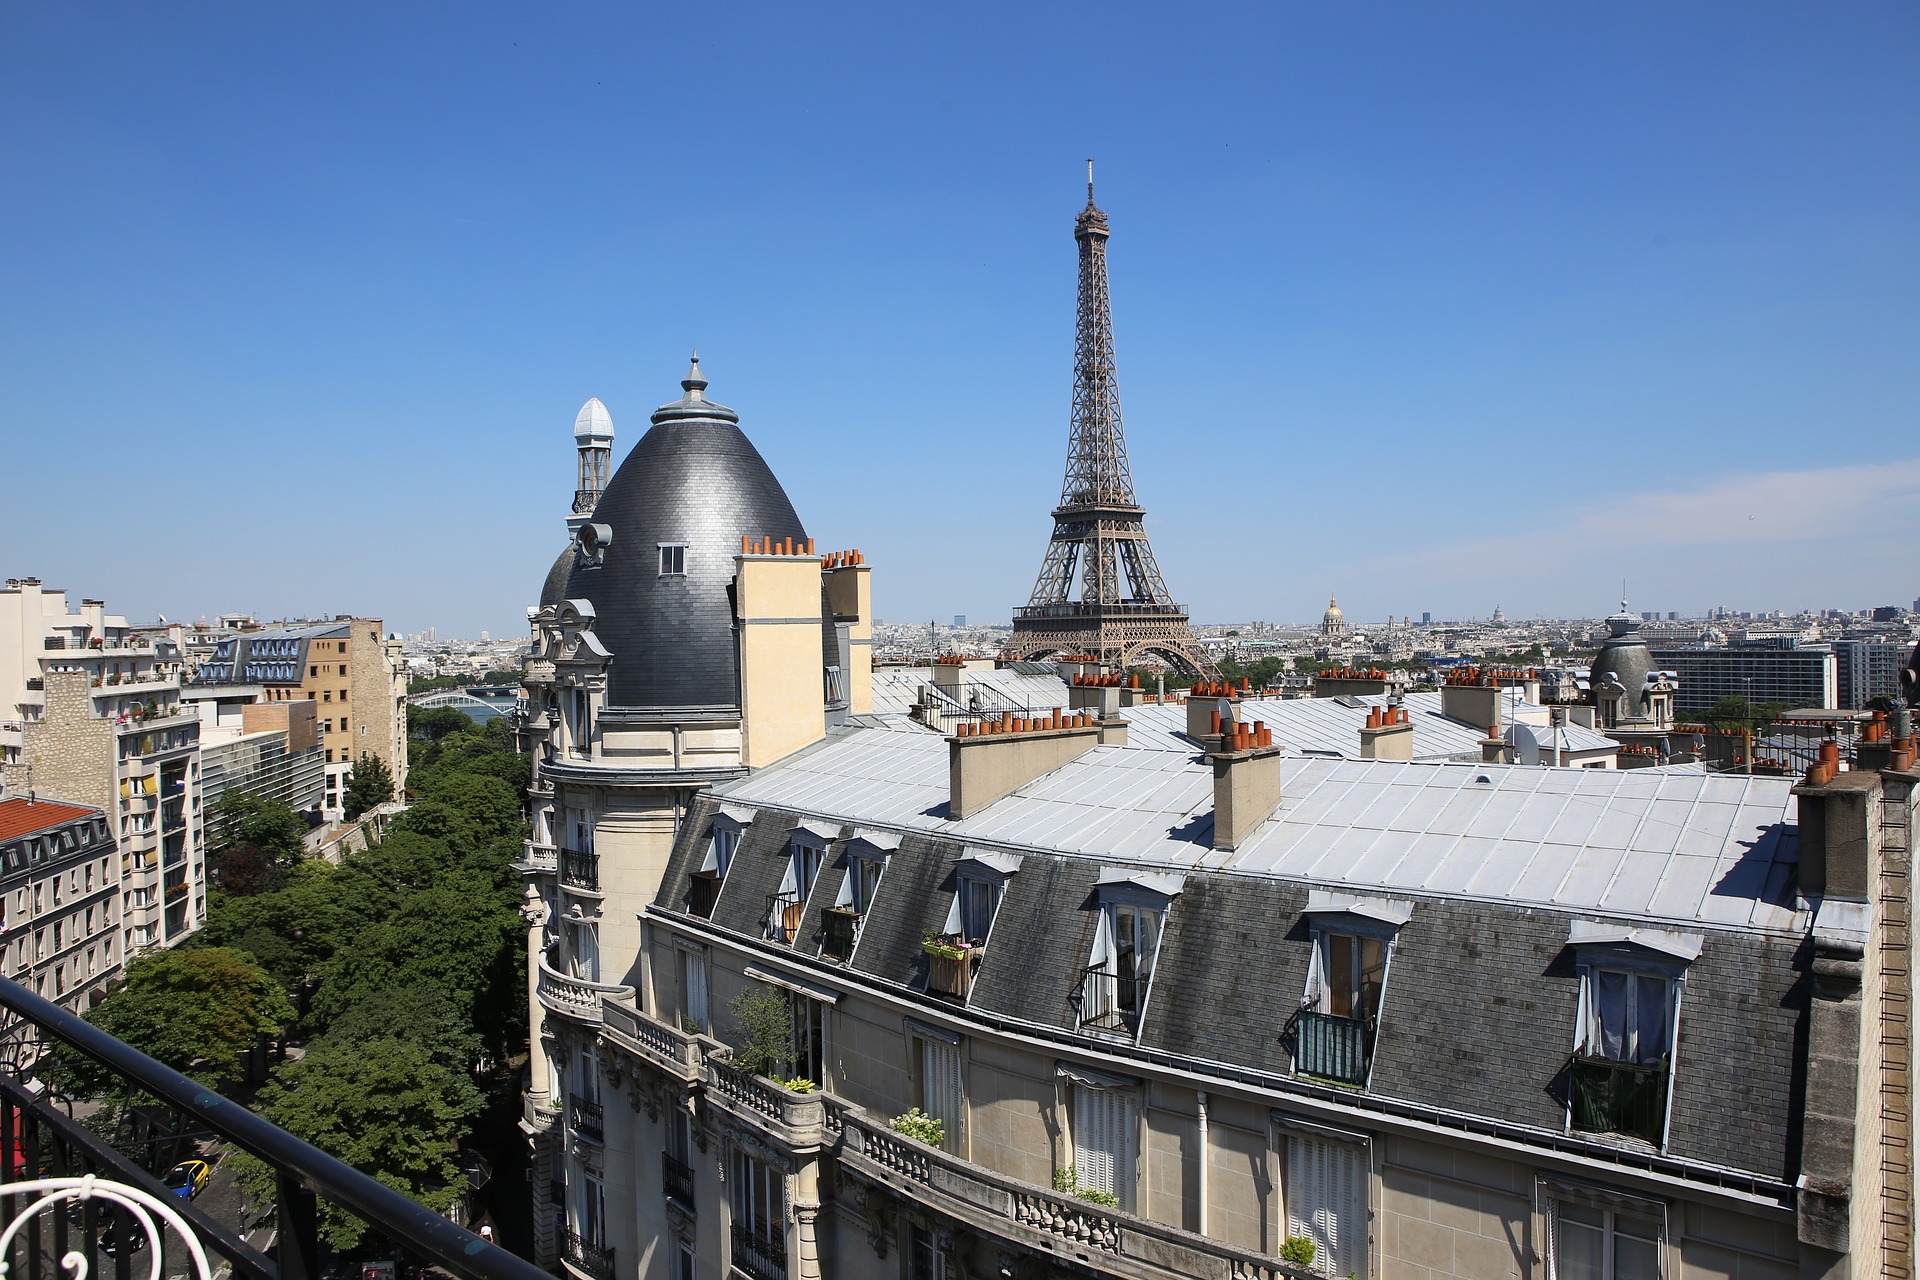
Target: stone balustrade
576, 998
1049, 1222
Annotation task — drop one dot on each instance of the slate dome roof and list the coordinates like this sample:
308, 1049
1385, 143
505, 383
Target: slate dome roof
555, 588
1624, 655
696, 480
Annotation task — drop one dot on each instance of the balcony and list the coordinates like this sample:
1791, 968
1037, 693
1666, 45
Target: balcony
703, 890
783, 916
580, 870
1619, 1097
538, 857
841, 927
44, 1154
588, 1119
950, 967
1109, 1241
585, 1256
669, 1049
537, 1115
1108, 1002
1332, 1048
576, 998
759, 1254
797, 1121
676, 1176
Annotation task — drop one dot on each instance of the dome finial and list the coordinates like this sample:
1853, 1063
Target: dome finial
693, 384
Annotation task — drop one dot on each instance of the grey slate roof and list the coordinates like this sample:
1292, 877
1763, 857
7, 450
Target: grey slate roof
696, 479
1477, 1016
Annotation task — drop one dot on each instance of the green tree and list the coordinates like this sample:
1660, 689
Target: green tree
383, 1104
763, 1021
420, 1013
430, 724
259, 838
198, 1010
370, 786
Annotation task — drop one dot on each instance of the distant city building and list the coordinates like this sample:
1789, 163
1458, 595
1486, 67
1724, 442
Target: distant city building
959, 619
59, 900
1426, 619
1868, 669
102, 725
1333, 623
355, 678
1807, 676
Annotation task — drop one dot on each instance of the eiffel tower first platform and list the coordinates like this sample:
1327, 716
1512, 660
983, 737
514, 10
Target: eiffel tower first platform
1099, 530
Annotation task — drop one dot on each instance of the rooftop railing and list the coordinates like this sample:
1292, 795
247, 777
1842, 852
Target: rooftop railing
40, 1141
1619, 1097
1332, 1047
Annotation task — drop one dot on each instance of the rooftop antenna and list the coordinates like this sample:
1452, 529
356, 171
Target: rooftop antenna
1089, 179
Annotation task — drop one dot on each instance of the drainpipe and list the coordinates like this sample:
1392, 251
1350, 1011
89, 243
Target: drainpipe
1201, 1097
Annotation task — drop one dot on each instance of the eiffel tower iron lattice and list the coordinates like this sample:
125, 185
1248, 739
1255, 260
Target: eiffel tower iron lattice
1099, 528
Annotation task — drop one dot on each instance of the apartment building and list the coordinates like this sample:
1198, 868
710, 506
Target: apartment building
1079, 992
354, 676
1868, 668
59, 900
101, 724
1796, 675
273, 752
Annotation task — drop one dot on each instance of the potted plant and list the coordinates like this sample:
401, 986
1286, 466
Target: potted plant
950, 964
920, 1126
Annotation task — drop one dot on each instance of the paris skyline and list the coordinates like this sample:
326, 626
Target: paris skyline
1378, 332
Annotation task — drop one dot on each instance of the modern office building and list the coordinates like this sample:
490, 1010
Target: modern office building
101, 725
60, 899
274, 752
1797, 676
355, 677
1868, 669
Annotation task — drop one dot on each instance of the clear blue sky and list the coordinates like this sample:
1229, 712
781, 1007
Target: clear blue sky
1436, 306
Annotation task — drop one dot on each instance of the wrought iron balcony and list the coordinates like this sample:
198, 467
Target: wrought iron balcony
677, 1177
840, 926
1619, 1097
580, 870
586, 1256
589, 1119
761, 1255
1109, 1002
1332, 1048
783, 916
45, 1157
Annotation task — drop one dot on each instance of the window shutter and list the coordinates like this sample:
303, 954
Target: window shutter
696, 985
1327, 1202
940, 1083
1103, 1140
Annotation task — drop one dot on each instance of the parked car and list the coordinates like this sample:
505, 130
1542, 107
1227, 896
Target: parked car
188, 1178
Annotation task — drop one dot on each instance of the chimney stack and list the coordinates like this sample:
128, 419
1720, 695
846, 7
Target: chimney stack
1246, 783
994, 758
1387, 735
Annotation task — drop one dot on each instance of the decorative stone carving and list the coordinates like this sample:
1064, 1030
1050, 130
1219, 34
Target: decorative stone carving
876, 1206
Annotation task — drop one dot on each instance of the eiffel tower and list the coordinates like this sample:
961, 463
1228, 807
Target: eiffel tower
1099, 529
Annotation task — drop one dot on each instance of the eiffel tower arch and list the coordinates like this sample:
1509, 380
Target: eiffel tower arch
1100, 591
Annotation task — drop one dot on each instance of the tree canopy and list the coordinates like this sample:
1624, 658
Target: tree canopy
197, 1010
259, 840
370, 786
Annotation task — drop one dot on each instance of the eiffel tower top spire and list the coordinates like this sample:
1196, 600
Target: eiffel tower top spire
1099, 529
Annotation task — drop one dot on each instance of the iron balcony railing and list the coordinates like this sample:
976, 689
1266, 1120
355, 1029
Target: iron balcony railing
580, 870
783, 916
1109, 1001
838, 925
589, 1119
40, 1140
1619, 1097
762, 1256
593, 1258
677, 1177
1332, 1047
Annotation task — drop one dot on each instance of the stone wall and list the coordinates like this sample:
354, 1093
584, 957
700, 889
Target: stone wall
70, 752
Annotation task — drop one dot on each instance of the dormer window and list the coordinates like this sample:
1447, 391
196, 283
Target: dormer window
1112, 992
1332, 1035
805, 848
1621, 1072
703, 888
867, 856
953, 954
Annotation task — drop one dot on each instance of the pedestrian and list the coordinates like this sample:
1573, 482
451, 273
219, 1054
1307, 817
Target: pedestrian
486, 1232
